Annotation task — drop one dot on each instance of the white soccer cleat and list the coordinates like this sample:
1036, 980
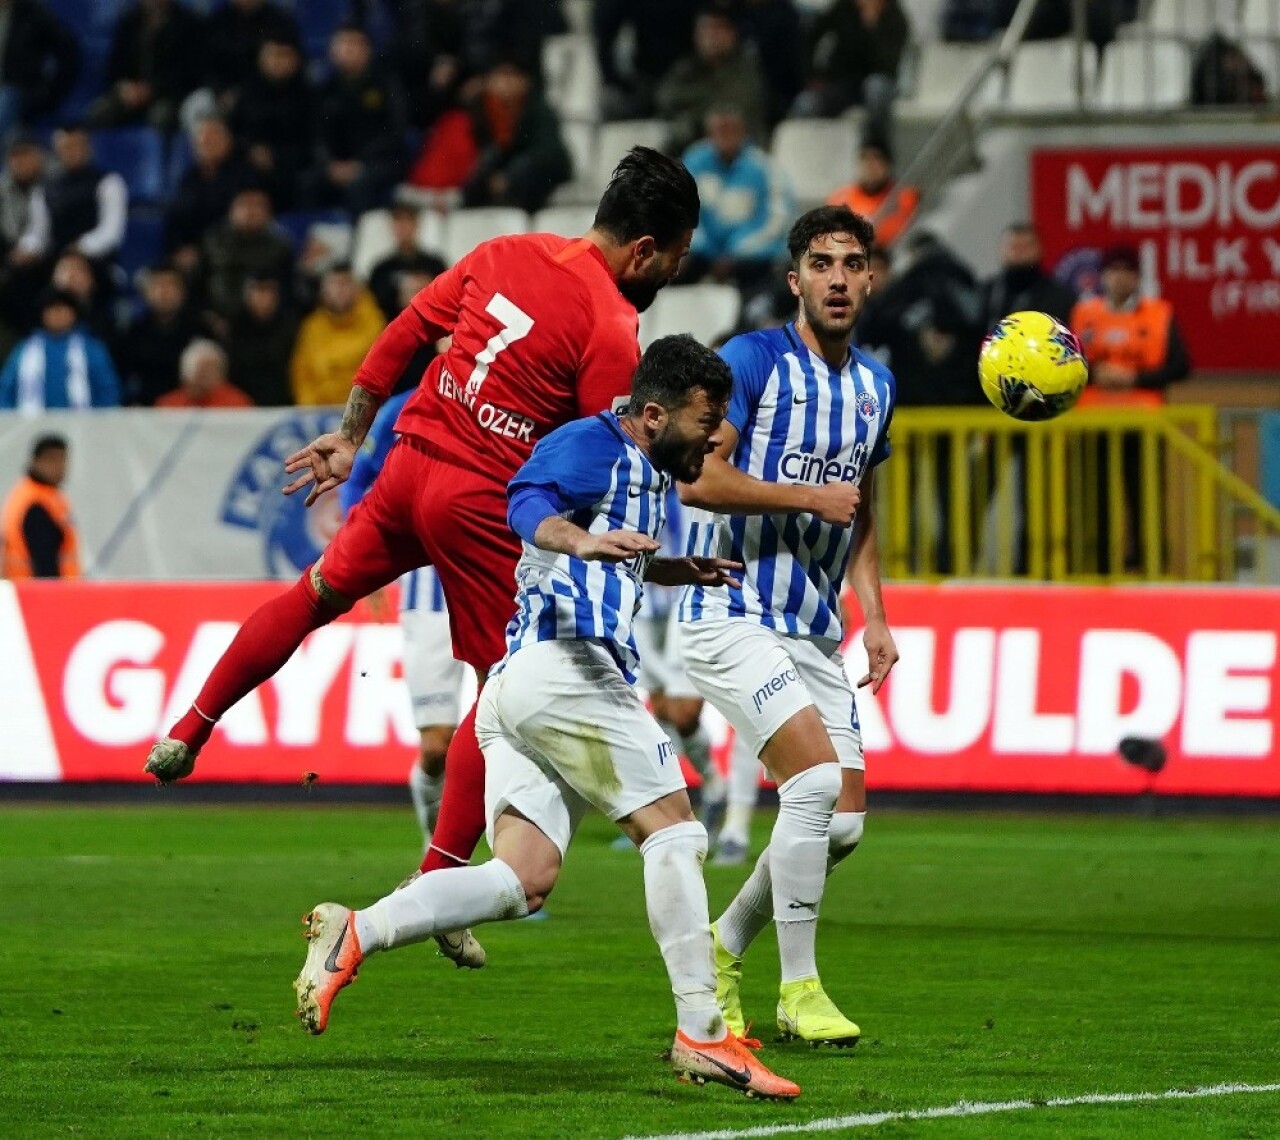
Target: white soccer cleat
170, 760
459, 946
333, 957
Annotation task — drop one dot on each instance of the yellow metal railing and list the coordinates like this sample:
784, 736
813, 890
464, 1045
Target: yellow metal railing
1097, 495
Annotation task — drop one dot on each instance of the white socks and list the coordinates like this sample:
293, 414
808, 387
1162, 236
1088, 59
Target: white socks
425, 792
440, 902
798, 864
676, 898
744, 787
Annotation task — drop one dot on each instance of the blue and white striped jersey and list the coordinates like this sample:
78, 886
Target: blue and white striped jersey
659, 600
799, 421
605, 483
419, 589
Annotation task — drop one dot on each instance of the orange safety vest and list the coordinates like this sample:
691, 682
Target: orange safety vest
15, 560
1136, 338
891, 224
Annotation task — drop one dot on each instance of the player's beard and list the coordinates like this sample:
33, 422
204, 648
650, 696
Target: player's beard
676, 457
830, 326
641, 294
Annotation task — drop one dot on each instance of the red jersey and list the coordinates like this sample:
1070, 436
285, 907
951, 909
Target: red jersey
541, 336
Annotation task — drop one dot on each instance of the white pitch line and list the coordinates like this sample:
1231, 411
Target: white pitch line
963, 1108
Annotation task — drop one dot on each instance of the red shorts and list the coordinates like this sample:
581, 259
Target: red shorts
423, 511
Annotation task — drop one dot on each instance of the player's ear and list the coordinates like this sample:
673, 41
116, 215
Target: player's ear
643, 251
793, 282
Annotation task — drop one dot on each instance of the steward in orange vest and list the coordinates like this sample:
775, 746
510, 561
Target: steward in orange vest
875, 191
37, 537
1130, 341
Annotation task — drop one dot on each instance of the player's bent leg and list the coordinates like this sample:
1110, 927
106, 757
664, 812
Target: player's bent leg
267, 639
850, 817
426, 777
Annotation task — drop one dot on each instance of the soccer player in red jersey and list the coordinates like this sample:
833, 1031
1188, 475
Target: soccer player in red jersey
544, 330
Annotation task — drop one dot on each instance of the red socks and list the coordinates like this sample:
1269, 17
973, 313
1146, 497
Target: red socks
461, 820
265, 642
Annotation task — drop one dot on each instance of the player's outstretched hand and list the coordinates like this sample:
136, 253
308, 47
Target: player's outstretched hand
837, 503
693, 571
614, 546
882, 654
325, 463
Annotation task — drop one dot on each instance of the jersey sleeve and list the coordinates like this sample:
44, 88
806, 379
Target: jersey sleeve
609, 362
432, 314
884, 448
750, 361
574, 464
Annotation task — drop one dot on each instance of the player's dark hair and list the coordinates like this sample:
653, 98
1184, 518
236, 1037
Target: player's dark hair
46, 443
828, 220
649, 194
672, 369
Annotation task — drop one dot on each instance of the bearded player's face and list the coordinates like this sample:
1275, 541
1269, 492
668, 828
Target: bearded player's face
653, 267
832, 280
690, 434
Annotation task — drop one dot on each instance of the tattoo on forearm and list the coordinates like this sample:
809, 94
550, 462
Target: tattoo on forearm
358, 415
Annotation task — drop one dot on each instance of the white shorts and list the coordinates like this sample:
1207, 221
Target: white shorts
759, 679
661, 660
434, 678
562, 731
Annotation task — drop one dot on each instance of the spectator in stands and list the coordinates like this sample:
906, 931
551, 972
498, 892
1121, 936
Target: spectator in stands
429, 57
60, 365
39, 62
772, 28
21, 246
88, 207
746, 206
204, 194
233, 38
359, 127
662, 35
203, 380
1133, 344
1224, 75
153, 66
855, 50
1022, 282
37, 536
334, 339
718, 71
877, 196
272, 118
520, 155
260, 342
406, 257
85, 280
248, 243
1131, 341
153, 343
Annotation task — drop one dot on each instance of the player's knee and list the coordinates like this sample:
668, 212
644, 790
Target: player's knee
326, 595
812, 794
537, 886
844, 835
433, 746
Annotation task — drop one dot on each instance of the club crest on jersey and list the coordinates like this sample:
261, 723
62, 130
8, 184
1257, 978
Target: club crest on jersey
292, 536
868, 406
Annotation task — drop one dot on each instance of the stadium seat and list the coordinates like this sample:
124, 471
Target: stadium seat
466, 229
1260, 18
572, 76
707, 311
580, 138
298, 223
577, 14
372, 242
924, 17
1043, 76
568, 221
613, 140
943, 69
1190, 19
817, 155
137, 155
180, 159
1144, 75
319, 19
431, 231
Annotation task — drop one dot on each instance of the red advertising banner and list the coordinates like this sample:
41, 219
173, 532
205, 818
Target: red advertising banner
999, 688
1206, 221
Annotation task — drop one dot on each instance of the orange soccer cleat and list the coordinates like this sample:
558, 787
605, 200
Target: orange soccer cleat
728, 1062
333, 958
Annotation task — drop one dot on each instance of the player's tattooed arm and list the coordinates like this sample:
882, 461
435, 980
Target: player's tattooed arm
326, 461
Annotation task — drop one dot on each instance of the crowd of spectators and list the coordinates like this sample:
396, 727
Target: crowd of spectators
445, 108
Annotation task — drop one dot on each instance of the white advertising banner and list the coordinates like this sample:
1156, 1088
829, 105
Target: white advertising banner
183, 494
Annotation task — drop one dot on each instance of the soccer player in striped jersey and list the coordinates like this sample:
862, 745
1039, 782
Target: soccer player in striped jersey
434, 677
560, 722
807, 425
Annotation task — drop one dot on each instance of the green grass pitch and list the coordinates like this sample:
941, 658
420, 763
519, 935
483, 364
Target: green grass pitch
147, 957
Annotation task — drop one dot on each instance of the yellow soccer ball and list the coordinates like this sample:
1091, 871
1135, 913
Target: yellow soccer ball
1031, 367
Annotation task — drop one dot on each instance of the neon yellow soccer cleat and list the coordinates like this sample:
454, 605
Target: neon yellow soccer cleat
805, 1013
728, 979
